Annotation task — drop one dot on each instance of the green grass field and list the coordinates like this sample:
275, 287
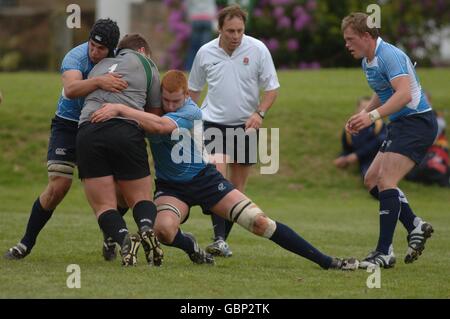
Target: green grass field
328, 207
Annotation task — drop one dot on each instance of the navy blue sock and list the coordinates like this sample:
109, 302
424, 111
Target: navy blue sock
182, 242
144, 214
374, 192
389, 214
113, 225
221, 226
407, 216
38, 218
290, 240
122, 210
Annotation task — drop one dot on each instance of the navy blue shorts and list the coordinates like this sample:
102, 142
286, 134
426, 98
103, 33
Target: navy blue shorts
206, 189
244, 152
63, 140
411, 136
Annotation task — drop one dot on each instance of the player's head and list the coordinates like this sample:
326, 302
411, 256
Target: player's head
136, 42
103, 39
358, 35
231, 21
362, 103
174, 90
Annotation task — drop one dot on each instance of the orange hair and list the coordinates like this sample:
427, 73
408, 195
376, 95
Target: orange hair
174, 81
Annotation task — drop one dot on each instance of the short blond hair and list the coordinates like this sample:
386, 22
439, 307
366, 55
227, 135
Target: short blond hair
358, 22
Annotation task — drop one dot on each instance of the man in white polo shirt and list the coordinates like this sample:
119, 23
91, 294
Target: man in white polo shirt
236, 68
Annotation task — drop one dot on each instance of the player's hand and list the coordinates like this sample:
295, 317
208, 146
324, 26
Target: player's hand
358, 122
112, 82
340, 162
351, 158
108, 111
254, 122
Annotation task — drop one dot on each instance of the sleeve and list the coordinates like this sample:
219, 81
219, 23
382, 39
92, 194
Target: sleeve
267, 77
197, 76
71, 62
394, 64
180, 122
154, 94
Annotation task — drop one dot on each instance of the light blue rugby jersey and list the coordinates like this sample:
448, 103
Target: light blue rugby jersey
75, 59
389, 63
190, 160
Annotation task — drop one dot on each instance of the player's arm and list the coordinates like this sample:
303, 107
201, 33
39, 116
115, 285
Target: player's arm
75, 86
397, 101
149, 122
195, 95
374, 103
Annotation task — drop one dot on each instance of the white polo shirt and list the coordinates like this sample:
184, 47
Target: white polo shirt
234, 82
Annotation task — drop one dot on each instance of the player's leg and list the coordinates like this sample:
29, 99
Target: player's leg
171, 212
137, 195
60, 165
221, 227
393, 167
101, 195
238, 208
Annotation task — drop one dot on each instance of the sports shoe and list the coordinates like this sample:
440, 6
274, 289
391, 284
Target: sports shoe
109, 250
129, 250
199, 256
17, 252
152, 248
219, 248
376, 258
416, 241
344, 263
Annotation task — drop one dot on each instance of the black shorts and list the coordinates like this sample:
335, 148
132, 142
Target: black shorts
62, 141
206, 189
411, 135
240, 146
115, 147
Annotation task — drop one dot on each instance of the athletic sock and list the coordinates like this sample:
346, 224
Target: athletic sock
389, 213
374, 192
407, 216
144, 214
183, 242
221, 226
113, 225
290, 240
122, 210
38, 218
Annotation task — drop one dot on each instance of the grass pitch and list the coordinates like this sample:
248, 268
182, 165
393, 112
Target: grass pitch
327, 207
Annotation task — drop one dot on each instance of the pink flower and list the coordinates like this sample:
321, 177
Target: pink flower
292, 45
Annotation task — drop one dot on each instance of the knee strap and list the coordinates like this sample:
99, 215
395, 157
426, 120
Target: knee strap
169, 207
60, 168
245, 213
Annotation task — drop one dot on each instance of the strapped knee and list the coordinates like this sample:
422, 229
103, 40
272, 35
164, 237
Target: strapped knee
169, 207
252, 218
60, 168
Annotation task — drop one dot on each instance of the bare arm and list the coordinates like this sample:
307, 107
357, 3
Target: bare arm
75, 86
195, 95
397, 101
374, 103
255, 120
149, 122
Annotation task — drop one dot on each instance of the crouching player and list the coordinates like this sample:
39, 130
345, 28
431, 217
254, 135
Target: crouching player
181, 185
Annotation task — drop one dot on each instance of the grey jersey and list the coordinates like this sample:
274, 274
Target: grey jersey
129, 64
